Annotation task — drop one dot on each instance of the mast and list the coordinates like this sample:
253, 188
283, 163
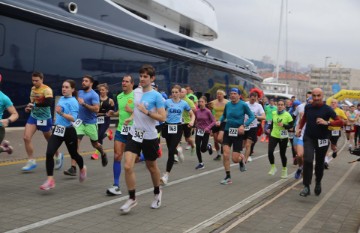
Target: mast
279, 39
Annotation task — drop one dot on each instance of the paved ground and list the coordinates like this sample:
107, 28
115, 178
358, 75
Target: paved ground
193, 201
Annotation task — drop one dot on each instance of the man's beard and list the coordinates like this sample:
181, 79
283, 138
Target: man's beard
85, 88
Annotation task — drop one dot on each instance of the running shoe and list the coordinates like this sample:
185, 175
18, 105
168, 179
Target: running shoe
110, 134
129, 204
140, 158
267, 139
226, 181
187, 147
284, 173
180, 154
83, 174
305, 192
157, 201
47, 185
7, 149
94, 156
200, 166
242, 167
30, 165
5, 143
334, 154
298, 173
273, 170
262, 139
104, 160
326, 165
317, 189
210, 149
113, 190
249, 159
218, 157
295, 162
59, 161
176, 159
70, 172
164, 179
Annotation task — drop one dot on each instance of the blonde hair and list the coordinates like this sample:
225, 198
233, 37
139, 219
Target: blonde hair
220, 91
103, 85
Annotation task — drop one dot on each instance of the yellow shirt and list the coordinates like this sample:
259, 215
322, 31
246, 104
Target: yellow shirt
218, 109
341, 114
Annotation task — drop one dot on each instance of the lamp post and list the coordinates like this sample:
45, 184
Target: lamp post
327, 57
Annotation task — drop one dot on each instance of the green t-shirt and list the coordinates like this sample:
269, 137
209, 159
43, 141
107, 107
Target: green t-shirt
186, 114
194, 96
279, 131
268, 111
123, 100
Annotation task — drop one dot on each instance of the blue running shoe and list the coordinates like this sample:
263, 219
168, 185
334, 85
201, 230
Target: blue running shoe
298, 173
30, 165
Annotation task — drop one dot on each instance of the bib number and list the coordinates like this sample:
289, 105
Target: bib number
348, 127
247, 128
77, 123
284, 134
323, 142
138, 136
200, 132
41, 122
172, 129
335, 133
59, 130
233, 132
125, 129
101, 120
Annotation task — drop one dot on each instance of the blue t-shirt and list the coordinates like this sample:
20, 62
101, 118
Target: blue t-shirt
235, 115
70, 106
5, 102
175, 110
90, 98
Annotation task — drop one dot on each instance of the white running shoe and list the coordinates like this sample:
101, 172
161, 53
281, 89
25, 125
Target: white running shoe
157, 201
113, 190
59, 160
249, 159
129, 204
187, 147
164, 179
176, 158
180, 154
30, 165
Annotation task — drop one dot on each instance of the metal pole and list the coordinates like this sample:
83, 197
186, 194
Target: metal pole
279, 39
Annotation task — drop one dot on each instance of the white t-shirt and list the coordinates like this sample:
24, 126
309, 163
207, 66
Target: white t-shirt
299, 109
258, 110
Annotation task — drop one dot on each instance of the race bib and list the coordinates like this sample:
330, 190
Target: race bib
41, 122
172, 129
284, 134
200, 132
323, 142
233, 132
101, 120
247, 128
59, 130
335, 132
77, 123
291, 135
138, 135
125, 129
348, 127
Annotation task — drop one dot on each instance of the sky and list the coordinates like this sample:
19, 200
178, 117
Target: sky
319, 31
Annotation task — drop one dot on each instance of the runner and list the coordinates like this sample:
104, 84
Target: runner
172, 129
103, 121
41, 98
66, 112
350, 125
143, 137
186, 121
125, 102
357, 127
204, 123
269, 109
335, 133
234, 114
86, 121
218, 106
316, 139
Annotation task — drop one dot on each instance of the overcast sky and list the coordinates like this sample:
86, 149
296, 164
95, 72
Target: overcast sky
316, 29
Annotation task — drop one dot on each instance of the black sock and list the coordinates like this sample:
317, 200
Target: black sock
132, 194
227, 175
156, 190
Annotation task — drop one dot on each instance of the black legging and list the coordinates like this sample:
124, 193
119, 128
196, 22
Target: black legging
55, 142
172, 141
201, 145
102, 128
282, 144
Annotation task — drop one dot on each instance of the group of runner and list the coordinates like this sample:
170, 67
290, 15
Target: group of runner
144, 113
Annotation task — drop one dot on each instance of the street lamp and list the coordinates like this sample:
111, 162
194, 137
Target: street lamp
327, 57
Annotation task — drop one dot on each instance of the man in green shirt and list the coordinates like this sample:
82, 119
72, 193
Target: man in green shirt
190, 94
186, 120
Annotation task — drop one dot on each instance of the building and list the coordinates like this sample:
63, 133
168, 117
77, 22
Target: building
289, 83
334, 78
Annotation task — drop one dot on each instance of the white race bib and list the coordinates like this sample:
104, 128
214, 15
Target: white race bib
41, 122
284, 134
335, 132
138, 135
247, 128
200, 132
348, 127
101, 120
233, 132
172, 129
125, 129
77, 123
323, 142
59, 130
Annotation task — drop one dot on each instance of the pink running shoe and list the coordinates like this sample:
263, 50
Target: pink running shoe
47, 185
110, 134
94, 156
83, 174
8, 149
5, 143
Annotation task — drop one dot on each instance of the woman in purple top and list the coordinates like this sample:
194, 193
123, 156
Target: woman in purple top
204, 122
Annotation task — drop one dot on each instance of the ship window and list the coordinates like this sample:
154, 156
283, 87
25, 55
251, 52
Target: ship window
2, 39
184, 30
